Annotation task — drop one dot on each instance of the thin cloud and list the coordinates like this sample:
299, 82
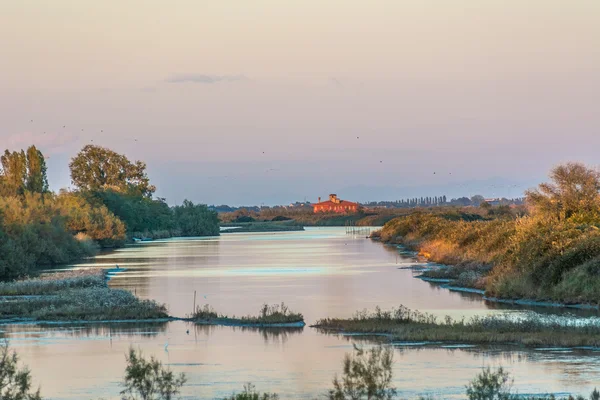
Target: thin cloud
203, 78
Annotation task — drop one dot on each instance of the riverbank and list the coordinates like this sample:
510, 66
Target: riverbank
70, 296
527, 259
404, 325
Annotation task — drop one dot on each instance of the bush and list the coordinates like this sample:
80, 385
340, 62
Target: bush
15, 382
250, 393
149, 380
366, 375
490, 385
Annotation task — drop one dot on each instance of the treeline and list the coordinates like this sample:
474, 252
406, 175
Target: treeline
112, 203
440, 201
550, 252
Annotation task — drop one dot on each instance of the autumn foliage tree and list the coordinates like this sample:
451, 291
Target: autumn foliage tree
574, 193
97, 168
22, 171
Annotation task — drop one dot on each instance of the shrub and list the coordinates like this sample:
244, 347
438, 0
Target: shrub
366, 375
15, 382
148, 379
490, 385
250, 393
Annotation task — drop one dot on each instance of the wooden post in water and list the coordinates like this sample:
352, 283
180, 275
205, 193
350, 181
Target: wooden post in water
194, 310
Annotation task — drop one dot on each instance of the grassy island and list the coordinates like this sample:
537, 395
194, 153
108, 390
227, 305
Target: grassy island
405, 325
277, 315
81, 295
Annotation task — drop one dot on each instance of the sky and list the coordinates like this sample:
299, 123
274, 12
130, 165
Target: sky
270, 101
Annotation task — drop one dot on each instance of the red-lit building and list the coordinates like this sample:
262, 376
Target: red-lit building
335, 205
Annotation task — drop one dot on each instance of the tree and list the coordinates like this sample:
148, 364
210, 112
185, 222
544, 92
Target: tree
196, 219
14, 173
36, 181
149, 380
477, 200
366, 375
96, 168
15, 382
573, 192
22, 172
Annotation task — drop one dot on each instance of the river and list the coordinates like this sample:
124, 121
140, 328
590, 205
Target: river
320, 272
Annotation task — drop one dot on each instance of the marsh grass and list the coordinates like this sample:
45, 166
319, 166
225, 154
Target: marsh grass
73, 296
89, 304
403, 324
52, 283
268, 315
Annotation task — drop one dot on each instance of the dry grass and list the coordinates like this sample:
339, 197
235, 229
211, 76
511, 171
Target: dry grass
403, 324
268, 315
79, 295
51, 283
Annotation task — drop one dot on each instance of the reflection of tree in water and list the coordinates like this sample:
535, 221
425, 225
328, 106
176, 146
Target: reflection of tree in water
270, 335
159, 256
273, 335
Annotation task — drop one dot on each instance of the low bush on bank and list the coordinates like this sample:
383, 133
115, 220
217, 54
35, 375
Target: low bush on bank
403, 324
268, 314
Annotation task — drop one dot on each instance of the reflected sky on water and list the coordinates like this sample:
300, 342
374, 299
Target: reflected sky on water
320, 272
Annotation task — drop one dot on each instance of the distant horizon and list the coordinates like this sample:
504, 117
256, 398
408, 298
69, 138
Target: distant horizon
244, 104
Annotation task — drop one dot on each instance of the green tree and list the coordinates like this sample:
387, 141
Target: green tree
36, 181
149, 380
15, 382
196, 219
366, 375
97, 168
573, 193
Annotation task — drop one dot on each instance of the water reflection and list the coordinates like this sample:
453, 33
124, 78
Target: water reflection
320, 272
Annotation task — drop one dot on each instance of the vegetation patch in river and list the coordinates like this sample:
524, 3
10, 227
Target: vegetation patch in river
277, 315
73, 296
405, 325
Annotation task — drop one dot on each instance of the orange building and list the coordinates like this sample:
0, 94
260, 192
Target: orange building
335, 205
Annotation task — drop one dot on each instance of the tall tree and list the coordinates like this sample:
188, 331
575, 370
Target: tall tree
98, 168
14, 173
36, 180
574, 190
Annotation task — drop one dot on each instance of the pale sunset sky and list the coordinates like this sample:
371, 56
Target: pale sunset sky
272, 101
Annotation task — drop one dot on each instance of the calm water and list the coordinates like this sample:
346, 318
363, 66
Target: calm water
320, 272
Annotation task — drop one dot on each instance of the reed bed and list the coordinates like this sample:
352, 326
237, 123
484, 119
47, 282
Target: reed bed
403, 324
51, 283
79, 295
268, 315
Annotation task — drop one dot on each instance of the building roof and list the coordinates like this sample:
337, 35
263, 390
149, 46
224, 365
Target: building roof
341, 203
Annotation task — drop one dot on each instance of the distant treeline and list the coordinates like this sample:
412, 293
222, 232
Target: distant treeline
415, 202
112, 202
440, 201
